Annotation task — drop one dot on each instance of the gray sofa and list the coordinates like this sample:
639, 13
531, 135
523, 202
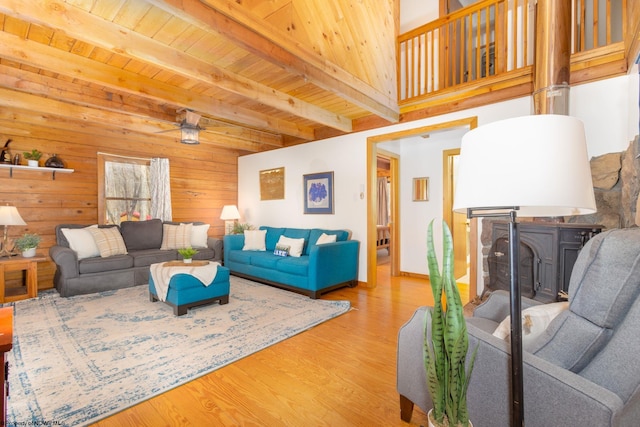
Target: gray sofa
582, 370
143, 241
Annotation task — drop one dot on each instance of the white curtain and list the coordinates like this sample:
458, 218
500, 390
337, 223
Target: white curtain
160, 189
383, 201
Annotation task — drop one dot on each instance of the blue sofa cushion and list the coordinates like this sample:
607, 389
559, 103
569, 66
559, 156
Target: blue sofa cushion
314, 235
298, 266
273, 234
299, 233
265, 259
243, 257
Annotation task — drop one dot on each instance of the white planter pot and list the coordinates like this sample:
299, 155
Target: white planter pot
29, 253
187, 260
431, 424
32, 163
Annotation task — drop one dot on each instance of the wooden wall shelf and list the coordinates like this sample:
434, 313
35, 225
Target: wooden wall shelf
36, 169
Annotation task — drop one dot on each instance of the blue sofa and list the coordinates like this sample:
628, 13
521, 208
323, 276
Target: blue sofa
319, 269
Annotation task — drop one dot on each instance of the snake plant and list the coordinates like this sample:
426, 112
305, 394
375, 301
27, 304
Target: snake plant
445, 348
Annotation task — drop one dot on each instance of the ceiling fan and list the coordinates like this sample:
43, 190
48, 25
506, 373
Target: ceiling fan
189, 128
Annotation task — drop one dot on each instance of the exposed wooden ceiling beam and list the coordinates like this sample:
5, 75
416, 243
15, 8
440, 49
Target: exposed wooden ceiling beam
58, 61
108, 35
22, 122
17, 100
246, 30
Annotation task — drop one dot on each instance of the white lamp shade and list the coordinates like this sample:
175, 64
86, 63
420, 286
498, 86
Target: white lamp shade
538, 163
9, 216
229, 212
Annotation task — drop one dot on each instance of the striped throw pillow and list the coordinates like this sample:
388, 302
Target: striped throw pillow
109, 241
176, 236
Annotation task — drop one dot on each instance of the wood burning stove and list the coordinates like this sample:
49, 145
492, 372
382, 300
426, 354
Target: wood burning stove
548, 252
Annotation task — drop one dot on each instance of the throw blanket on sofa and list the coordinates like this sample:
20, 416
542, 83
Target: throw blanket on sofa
162, 275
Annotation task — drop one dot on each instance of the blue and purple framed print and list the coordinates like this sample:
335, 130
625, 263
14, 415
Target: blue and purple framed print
318, 193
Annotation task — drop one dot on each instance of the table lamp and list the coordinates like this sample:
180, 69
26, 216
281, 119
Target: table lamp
8, 216
531, 166
229, 215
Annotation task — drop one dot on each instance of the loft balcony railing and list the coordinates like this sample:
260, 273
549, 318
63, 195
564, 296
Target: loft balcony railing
492, 43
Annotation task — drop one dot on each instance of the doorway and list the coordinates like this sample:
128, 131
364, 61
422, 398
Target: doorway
372, 200
387, 175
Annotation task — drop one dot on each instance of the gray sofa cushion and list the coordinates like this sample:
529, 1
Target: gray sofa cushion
203, 253
147, 257
99, 264
140, 235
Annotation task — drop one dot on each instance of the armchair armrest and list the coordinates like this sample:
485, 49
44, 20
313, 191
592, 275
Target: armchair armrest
552, 395
333, 263
496, 307
66, 261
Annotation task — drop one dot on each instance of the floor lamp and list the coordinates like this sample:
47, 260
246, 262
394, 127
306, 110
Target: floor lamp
531, 166
8, 216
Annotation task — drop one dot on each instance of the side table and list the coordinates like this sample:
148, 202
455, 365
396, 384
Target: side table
20, 263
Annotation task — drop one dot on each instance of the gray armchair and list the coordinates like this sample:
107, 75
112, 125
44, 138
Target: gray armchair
584, 370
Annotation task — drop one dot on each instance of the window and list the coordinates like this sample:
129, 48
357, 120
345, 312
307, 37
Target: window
124, 190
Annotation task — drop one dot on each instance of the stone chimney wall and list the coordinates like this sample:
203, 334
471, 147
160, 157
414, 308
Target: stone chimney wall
616, 185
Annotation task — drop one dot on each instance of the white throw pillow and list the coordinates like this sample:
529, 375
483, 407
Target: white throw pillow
199, 235
295, 245
176, 236
254, 240
109, 241
326, 238
534, 321
82, 242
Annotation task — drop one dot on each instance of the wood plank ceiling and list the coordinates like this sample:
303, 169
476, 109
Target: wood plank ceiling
262, 73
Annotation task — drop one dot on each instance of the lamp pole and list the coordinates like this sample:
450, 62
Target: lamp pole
517, 379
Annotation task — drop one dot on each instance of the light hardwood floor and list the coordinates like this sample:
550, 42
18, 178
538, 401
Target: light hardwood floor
339, 373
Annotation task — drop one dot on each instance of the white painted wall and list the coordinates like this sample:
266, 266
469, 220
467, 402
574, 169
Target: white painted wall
608, 109
414, 13
615, 99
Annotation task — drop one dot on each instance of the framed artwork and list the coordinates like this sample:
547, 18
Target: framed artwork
318, 193
272, 184
420, 189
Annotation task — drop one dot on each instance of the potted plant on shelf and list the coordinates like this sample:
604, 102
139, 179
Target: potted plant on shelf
33, 157
187, 254
446, 343
27, 244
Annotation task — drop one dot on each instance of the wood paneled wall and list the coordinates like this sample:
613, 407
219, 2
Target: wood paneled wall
203, 178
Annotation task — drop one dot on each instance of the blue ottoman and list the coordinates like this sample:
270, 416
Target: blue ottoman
186, 291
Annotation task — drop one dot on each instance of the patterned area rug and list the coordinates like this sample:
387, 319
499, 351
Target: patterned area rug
77, 360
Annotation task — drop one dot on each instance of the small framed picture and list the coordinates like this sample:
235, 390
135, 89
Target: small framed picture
318, 193
272, 184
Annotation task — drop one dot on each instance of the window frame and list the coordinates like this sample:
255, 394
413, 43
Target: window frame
101, 160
